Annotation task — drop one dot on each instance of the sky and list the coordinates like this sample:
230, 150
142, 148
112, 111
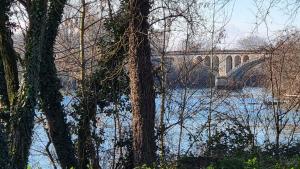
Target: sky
243, 21
242, 18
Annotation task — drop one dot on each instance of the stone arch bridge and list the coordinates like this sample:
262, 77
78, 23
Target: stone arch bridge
227, 65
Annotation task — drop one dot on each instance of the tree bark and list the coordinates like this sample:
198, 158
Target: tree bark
87, 108
163, 91
49, 90
86, 148
4, 157
22, 121
7, 52
84, 121
4, 103
141, 83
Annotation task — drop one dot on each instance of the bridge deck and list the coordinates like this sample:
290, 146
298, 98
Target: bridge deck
209, 52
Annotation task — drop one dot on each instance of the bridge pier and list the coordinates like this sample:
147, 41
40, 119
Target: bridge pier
221, 82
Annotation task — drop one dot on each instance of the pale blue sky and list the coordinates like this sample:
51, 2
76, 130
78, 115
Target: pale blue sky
243, 21
242, 18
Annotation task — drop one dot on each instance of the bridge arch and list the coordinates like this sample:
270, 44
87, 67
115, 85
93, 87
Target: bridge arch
207, 61
228, 64
215, 64
197, 60
238, 74
245, 58
237, 60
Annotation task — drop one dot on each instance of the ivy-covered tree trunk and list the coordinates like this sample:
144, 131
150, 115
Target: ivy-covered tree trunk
7, 53
87, 106
86, 149
22, 120
141, 83
4, 157
49, 90
4, 103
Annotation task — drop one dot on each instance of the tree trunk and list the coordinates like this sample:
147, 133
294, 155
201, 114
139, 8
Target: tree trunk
4, 103
87, 107
141, 83
4, 157
7, 52
83, 109
163, 91
49, 90
86, 148
22, 121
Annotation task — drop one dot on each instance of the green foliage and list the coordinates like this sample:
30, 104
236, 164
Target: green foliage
33, 167
210, 167
230, 163
105, 90
111, 76
264, 162
232, 140
187, 162
126, 142
143, 167
251, 164
234, 163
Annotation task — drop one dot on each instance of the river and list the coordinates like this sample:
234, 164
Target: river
246, 106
